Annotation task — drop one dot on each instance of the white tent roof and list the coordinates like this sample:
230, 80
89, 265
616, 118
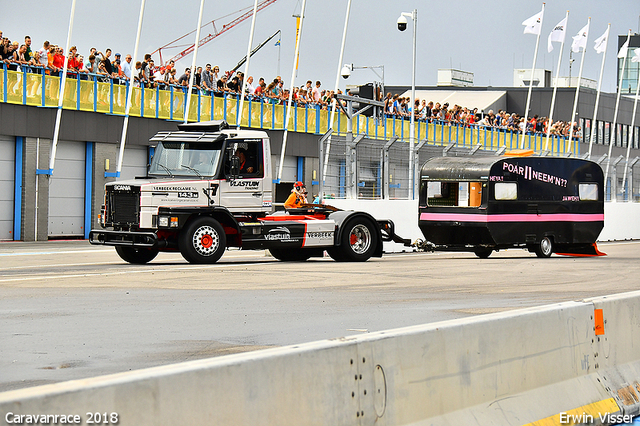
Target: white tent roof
481, 99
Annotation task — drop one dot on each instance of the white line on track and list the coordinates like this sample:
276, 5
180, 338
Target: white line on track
129, 271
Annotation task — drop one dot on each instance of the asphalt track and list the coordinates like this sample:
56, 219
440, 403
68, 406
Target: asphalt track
69, 310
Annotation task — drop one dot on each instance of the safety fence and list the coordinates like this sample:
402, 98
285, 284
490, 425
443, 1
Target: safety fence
87, 92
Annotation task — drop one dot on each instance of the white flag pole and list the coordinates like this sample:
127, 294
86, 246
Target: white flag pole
555, 85
575, 101
633, 123
334, 103
613, 131
193, 64
533, 69
63, 80
246, 65
595, 108
125, 125
293, 76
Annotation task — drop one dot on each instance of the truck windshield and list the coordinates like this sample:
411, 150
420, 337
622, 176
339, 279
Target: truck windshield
186, 159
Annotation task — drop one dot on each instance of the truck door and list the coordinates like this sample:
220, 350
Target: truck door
244, 190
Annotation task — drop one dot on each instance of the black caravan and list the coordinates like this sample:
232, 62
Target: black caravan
543, 204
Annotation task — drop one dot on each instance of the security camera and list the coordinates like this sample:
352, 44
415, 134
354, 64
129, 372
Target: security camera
402, 23
346, 72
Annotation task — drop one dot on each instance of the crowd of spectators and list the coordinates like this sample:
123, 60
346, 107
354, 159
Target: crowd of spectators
211, 81
400, 107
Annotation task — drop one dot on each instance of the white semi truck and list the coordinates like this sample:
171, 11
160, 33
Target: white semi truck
198, 199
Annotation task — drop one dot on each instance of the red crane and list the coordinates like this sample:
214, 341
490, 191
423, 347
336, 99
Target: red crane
248, 12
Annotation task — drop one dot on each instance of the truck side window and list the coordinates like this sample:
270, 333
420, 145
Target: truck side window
506, 190
588, 191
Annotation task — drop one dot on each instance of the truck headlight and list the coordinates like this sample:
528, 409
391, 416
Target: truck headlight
163, 221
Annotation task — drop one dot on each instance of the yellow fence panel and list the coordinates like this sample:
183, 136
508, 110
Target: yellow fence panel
205, 108
164, 104
232, 111
34, 89
255, 113
14, 87
178, 105
278, 120
312, 120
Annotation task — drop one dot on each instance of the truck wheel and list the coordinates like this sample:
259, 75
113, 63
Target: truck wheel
136, 255
544, 248
483, 253
290, 255
358, 241
202, 241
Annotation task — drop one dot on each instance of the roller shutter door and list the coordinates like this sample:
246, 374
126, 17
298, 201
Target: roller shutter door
7, 186
66, 191
289, 170
134, 163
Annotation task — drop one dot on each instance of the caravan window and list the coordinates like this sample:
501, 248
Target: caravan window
588, 191
454, 194
506, 190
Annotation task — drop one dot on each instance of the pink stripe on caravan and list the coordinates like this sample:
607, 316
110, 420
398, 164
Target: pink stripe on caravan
482, 218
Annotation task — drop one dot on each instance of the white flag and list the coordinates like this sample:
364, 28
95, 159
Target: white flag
557, 34
580, 39
623, 49
533, 25
636, 55
601, 42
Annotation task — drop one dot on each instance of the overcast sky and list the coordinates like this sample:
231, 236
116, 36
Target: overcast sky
485, 38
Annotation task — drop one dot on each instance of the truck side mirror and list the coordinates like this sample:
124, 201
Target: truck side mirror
235, 167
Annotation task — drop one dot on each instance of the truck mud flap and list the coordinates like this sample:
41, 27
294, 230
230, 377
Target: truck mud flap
123, 238
580, 250
387, 230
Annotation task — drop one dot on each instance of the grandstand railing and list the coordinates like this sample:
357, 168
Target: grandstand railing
98, 93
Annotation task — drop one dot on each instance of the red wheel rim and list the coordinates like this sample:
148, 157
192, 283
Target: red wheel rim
206, 241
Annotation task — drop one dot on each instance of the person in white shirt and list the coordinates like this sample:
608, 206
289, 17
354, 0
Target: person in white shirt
249, 86
126, 67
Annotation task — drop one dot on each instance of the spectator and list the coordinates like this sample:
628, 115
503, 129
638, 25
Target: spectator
28, 54
126, 67
315, 93
184, 78
249, 86
207, 84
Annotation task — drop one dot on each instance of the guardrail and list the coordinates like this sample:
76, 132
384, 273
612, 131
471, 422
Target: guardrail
168, 103
534, 366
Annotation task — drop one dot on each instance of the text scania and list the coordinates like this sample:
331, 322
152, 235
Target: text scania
531, 174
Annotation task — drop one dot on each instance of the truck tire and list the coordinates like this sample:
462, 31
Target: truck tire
483, 253
290, 255
357, 243
136, 255
202, 241
544, 248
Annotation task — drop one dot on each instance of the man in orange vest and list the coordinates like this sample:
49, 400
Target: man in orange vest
298, 196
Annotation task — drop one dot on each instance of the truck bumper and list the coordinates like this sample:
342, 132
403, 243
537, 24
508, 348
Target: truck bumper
123, 238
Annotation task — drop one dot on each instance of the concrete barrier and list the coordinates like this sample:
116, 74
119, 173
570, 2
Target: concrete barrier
530, 366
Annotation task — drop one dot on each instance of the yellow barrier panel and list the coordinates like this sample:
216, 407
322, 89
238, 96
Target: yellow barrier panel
298, 117
279, 117
244, 120
70, 99
104, 95
14, 87
218, 108
255, 113
2, 85
52, 88
324, 121
267, 116
149, 103
119, 99
193, 107
178, 104
34, 89
232, 111
86, 95
205, 108
312, 120
164, 104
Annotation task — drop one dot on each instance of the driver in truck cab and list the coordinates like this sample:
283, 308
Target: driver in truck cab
245, 165
298, 196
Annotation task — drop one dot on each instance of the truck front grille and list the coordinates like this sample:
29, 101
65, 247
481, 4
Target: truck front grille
123, 208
